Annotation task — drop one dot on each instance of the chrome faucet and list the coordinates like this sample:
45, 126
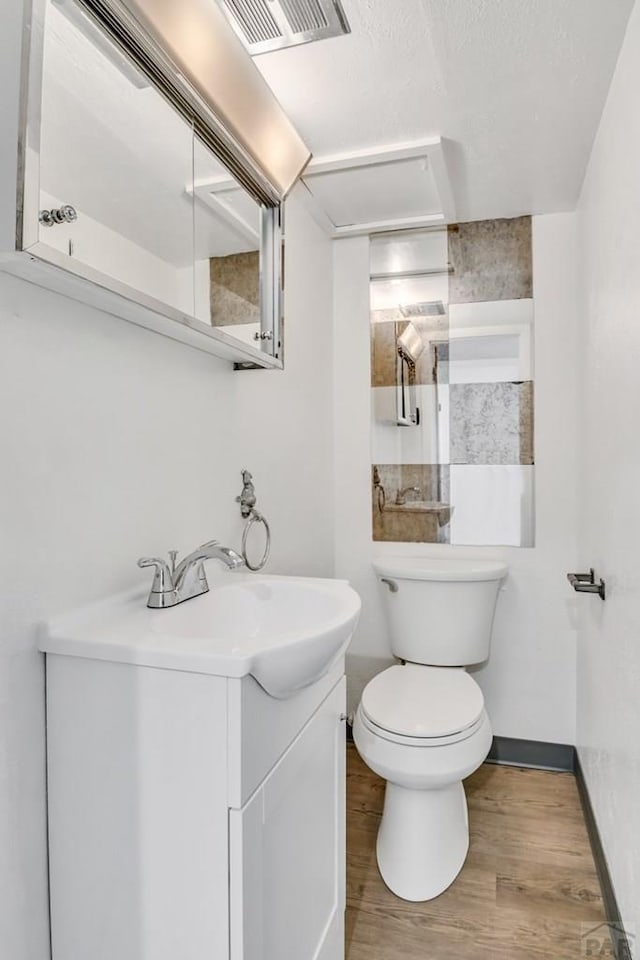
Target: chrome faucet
174, 584
401, 496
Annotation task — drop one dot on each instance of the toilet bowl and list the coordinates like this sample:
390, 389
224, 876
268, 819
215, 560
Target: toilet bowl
422, 726
424, 836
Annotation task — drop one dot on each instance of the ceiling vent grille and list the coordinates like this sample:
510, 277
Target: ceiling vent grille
428, 308
265, 25
254, 19
304, 15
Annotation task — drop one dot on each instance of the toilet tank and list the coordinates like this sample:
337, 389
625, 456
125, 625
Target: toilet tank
439, 611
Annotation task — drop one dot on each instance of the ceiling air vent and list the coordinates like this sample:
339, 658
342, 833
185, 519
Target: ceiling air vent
265, 25
428, 308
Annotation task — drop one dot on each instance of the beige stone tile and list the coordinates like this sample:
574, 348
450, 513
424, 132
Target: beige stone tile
491, 260
235, 289
383, 354
398, 526
527, 454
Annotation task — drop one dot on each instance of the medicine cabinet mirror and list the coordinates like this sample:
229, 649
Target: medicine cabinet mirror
452, 385
124, 192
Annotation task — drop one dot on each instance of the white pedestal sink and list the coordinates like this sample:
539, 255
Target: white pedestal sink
196, 773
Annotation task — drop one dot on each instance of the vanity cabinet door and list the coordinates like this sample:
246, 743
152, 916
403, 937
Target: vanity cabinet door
287, 850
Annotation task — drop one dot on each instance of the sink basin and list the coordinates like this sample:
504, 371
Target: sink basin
286, 632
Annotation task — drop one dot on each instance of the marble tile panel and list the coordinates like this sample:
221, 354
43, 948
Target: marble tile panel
527, 430
491, 423
491, 260
235, 289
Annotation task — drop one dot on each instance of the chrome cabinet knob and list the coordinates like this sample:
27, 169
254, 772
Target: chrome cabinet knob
64, 214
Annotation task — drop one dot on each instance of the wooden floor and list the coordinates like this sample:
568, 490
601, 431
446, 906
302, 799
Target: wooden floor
528, 888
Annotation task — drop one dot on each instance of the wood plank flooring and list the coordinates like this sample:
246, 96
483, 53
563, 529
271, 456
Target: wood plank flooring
528, 889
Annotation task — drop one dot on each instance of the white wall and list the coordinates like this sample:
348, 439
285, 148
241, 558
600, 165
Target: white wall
284, 426
115, 443
529, 681
609, 641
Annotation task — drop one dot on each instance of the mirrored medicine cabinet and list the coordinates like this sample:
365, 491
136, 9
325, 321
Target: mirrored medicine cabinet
134, 196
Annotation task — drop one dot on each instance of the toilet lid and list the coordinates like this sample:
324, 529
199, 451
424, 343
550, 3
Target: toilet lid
419, 701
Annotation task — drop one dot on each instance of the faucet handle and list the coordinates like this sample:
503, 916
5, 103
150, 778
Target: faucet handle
163, 578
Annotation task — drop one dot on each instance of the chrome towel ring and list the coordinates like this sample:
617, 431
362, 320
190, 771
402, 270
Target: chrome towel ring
255, 517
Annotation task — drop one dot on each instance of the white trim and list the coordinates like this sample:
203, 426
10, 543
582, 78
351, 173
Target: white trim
432, 150
437, 157
386, 226
522, 331
222, 184
372, 157
315, 209
206, 191
45, 268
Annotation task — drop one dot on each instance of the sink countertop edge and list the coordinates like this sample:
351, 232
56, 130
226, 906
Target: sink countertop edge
69, 634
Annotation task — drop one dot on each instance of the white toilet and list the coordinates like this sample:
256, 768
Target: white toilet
422, 725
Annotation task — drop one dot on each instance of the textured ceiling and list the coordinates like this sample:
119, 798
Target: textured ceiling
516, 86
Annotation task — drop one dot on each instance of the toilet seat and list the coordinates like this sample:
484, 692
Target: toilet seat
422, 705
422, 742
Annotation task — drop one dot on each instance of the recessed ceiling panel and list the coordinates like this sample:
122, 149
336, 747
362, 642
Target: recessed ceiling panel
395, 190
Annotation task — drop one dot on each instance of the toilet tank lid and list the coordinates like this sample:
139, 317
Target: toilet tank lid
437, 568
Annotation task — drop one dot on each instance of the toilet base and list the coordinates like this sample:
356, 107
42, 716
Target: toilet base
423, 840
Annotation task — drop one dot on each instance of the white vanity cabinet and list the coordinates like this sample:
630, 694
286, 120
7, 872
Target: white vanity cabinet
192, 816
287, 850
